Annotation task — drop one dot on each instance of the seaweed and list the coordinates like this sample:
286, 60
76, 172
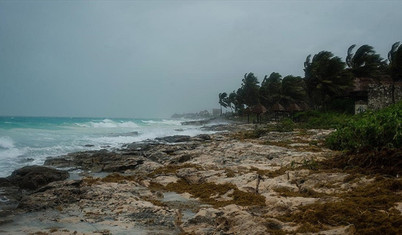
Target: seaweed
369, 208
385, 161
171, 169
208, 192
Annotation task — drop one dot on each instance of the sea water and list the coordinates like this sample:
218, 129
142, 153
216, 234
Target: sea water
30, 140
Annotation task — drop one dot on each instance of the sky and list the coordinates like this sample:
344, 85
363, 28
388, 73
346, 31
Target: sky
150, 59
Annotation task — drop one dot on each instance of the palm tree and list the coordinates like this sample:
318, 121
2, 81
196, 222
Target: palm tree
325, 78
293, 89
395, 65
248, 92
222, 100
233, 101
270, 90
365, 62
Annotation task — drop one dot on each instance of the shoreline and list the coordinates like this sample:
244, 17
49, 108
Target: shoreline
223, 182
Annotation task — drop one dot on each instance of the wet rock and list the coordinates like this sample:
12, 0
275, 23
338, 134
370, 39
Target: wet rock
53, 195
202, 137
4, 182
191, 175
228, 220
184, 158
33, 177
198, 122
97, 161
9, 199
174, 139
143, 146
158, 156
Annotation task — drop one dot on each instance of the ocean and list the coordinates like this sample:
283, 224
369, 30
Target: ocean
30, 140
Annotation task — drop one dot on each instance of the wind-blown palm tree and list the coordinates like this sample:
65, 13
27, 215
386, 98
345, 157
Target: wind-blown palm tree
270, 90
325, 78
293, 89
365, 62
223, 100
248, 92
395, 65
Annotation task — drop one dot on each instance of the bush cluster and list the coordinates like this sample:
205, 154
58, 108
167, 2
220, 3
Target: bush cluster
370, 131
320, 120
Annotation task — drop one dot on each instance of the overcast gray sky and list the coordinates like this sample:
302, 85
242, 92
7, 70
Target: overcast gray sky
155, 58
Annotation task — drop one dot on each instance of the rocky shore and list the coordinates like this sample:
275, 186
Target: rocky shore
225, 183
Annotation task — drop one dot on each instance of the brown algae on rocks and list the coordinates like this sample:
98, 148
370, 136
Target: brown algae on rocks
369, 208
212, 193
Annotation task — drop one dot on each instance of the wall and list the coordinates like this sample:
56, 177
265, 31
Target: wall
380, 95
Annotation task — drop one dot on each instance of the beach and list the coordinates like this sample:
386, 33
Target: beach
229, 182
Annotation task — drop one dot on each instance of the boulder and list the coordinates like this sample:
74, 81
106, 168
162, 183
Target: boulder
4, 182
175, 138
53, 195
34, 177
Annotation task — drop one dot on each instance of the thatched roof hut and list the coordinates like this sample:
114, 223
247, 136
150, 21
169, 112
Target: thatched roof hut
277, 107
293, 107
258, 109
304, 106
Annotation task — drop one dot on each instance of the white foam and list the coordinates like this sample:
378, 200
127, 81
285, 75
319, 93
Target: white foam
26, 146
12, 153
163, 122
107, 123
6, 142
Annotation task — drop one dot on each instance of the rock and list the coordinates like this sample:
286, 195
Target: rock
53, 195
190, 175
9, 199
174, 138
158, 156
143, 146
34, 177
97, 161
198, 122
202, 137
4, 182
184, 158
127, 165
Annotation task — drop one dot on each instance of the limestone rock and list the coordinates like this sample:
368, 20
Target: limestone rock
175, 138
33, 177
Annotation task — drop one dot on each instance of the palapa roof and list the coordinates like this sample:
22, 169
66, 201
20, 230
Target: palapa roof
259, 108
277, 107
293, 107
304, 106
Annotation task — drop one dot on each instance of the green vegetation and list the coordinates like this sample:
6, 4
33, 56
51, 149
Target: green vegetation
370, 130
320, 120
326, 78
365, 62
326, 84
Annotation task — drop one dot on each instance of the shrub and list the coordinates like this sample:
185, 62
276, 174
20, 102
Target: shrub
285, 125
320, 120
370, 130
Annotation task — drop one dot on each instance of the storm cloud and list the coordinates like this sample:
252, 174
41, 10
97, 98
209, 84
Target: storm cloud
155, 58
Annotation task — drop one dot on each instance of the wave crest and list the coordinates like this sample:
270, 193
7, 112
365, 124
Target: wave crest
107, 123
6, 143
